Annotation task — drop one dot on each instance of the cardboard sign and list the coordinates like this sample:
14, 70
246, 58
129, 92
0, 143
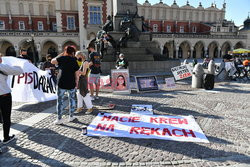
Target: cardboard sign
141, 109
120, 81
146, 83
177, 128
34, 85
182, 72
170, 83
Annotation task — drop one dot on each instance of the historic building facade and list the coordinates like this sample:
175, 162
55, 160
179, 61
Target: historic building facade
181, 32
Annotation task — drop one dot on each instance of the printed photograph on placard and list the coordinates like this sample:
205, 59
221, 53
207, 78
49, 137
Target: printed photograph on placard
141, 109
120, 81
146, 83
170, 82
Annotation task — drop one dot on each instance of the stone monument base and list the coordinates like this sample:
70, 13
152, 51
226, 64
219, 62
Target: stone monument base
143, 50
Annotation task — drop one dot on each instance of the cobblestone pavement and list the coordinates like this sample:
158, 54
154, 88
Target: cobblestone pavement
223, 115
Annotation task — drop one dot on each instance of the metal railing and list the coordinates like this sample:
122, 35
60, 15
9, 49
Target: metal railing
206, 36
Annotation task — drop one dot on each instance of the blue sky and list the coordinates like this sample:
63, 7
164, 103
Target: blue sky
236, 10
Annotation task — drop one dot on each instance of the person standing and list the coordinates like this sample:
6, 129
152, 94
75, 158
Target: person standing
82, 80
95, 74
121, 62
6, 98
66, 82
24, 55
47, 65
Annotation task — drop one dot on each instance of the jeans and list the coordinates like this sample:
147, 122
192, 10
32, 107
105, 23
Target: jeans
72, 101
5, 107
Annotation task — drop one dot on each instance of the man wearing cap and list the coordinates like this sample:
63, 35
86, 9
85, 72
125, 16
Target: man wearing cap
95, 66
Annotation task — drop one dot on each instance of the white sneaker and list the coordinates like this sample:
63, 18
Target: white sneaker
58, 122
72, 118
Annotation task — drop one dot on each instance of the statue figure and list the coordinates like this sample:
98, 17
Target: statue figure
108, 26
145, 26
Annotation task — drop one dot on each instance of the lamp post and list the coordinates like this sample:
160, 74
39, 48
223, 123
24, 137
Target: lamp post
173, 46
33, 48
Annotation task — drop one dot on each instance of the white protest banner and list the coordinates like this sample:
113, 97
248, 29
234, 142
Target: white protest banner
141, 109
170, 83
181, 72
178, 128
34, 85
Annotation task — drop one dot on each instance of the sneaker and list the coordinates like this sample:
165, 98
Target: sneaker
97, 97
72, 118
58, 122
79, 110
89, 111
92, 97
11, 138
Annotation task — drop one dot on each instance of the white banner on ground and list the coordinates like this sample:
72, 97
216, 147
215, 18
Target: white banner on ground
181, 72
141, 109
170, 83
34, 85
178, 128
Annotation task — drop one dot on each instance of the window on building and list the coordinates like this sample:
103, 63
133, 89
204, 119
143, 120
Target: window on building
41, 10
194, 29
95, 15
21, 25
155, 28
54, 27
218, 29
71, 23
181, 29
2, 25
21, 9
31, 9
40, 26
168, 28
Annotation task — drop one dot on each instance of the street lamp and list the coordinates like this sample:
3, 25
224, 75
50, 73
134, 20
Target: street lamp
173, 45
33, 47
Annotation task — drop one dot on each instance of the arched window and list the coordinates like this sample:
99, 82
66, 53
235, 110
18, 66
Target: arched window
155, 28
41, 10
31, 9
62, 4
21, 9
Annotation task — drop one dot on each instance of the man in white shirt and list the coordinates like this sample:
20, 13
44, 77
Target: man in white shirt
6, 99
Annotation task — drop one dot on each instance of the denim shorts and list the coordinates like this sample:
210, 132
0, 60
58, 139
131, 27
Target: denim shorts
94, 78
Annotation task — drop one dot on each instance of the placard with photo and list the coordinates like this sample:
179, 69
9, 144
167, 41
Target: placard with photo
170, 82
146, 83
120, 81
142, 109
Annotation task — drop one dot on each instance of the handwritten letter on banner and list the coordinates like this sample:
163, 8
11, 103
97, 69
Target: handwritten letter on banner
178, 128
181, 72
34, 85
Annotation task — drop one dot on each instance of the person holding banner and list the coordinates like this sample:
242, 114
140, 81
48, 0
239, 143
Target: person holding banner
6, 98
66, 82
82, 80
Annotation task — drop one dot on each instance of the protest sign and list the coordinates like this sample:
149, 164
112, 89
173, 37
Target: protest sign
181, 72
141, 109
170, 83
120, 81
146, 83
177, 128
34, 85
